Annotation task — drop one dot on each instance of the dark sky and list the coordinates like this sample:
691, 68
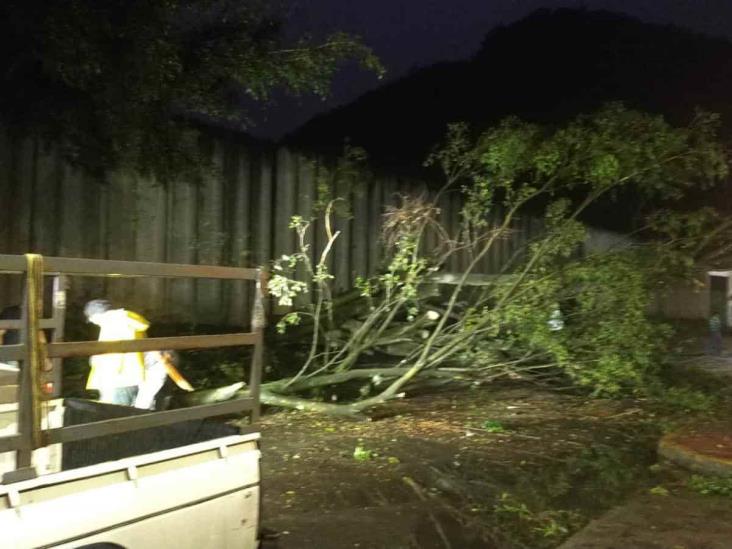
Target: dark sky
407, 34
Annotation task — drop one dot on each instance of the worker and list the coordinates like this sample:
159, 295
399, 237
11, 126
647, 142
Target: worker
116, 376
128, 379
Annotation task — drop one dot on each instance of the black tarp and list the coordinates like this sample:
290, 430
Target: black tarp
112, 447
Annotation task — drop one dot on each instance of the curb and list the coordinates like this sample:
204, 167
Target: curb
711, 456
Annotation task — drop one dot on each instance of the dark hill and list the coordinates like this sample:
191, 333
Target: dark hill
547, 67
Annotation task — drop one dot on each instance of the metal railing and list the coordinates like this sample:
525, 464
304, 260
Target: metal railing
29, 420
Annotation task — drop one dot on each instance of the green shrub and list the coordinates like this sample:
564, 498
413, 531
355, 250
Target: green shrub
708, 486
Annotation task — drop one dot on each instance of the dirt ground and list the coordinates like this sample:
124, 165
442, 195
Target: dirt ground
498, 467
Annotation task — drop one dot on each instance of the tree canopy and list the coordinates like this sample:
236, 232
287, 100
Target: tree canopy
118, 82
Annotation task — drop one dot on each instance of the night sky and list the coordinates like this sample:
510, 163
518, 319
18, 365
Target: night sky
407, 34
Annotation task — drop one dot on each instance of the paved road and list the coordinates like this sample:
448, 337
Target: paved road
682, 520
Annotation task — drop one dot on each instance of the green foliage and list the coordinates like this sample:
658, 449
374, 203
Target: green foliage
361, 453
606, 341
394, 290
611, 468
711, 486
284, 288
612, 345
457, 157
618, 147
493, 426
290, 319
544, 529
121, 82
507, 505
682, 240
596, 153
608, 344
684, 399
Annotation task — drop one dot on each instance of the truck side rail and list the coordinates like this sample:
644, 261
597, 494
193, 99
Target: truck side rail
30, 435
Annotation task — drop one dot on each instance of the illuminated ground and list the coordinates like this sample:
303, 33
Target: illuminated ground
433, 473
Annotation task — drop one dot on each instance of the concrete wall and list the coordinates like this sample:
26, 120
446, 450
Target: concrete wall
600, 240
684, 301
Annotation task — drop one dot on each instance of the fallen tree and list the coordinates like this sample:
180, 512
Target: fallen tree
553, 311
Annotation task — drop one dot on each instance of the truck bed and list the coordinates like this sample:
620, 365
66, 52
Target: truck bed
196, 496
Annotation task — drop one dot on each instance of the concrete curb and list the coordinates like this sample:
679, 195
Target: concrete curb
705, 452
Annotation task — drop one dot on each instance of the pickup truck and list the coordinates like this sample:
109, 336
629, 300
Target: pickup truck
81, 474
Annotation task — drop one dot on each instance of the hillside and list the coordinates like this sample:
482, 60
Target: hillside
545, 68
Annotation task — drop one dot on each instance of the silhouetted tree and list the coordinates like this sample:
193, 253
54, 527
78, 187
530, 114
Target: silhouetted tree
119, 81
